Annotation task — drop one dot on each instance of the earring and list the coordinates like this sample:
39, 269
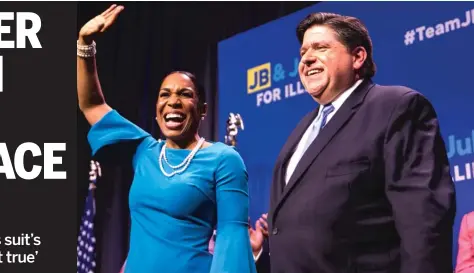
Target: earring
202, 118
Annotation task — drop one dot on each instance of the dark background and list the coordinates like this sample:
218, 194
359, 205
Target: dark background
148, 41
38, 105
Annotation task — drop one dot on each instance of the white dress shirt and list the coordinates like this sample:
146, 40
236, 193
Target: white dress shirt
300, 149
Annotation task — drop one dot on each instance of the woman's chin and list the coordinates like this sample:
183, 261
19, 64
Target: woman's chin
172, 130
173, 134
177, 131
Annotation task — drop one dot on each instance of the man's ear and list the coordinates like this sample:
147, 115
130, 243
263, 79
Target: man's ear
359, 55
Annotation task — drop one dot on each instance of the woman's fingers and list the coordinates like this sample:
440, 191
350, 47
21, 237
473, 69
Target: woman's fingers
111, 17
107, 11
113, 12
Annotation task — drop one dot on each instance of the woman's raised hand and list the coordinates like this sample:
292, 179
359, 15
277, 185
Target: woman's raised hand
99, 24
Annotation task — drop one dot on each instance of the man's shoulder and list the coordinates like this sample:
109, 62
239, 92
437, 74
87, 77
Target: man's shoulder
391, 92
391, 96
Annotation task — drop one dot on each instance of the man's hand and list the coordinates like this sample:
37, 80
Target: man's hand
264, 224
258, 235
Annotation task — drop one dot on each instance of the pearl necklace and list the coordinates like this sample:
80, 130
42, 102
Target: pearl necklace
183, 165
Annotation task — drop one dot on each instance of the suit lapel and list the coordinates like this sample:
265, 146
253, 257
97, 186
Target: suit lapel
295, 138
342, 116
287, 151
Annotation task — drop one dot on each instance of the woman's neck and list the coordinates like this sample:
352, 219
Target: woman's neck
188, 143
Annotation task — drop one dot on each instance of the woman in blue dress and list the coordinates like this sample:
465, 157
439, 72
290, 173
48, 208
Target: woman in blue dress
183, 187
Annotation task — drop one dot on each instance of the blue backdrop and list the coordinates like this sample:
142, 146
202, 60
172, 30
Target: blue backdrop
427, 46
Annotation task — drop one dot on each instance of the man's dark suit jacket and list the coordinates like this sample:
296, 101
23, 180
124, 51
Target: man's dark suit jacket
373, 192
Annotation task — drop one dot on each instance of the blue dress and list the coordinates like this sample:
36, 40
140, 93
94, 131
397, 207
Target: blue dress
172, 218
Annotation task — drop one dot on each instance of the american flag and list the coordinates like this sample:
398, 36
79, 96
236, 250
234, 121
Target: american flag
86, 240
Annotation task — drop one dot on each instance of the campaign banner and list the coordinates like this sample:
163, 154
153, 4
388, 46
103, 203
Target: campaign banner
426, 46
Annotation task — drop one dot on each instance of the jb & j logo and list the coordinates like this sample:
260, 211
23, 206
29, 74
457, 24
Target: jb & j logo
259, 78
424, 33
461, 148
273, 83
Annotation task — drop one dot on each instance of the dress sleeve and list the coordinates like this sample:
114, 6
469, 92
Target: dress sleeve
232, 251
114, 129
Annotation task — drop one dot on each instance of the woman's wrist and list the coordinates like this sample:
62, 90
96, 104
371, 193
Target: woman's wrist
86, 49
84, 41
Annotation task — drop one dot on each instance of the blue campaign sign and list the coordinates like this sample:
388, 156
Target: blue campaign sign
427, 46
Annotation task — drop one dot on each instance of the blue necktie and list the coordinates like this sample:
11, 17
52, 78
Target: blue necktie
327, 109
315, 127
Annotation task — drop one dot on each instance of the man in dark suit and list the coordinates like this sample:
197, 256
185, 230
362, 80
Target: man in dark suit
363, 182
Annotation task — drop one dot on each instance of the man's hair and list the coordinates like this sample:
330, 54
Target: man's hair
201, 93
350, 31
